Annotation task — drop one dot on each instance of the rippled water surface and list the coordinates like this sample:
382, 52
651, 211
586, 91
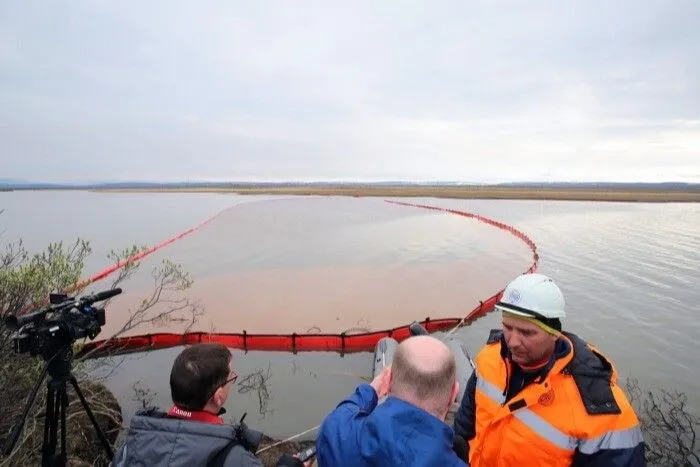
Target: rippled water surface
629, 272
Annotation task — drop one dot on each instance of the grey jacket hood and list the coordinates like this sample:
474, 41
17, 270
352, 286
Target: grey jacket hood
156, 440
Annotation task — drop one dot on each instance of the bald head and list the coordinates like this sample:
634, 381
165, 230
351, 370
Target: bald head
423, 372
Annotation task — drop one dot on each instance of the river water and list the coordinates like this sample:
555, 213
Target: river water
629, 272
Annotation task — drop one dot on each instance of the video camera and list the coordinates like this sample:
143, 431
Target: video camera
51, 332
61, 323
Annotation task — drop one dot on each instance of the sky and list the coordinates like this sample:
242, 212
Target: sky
362, 90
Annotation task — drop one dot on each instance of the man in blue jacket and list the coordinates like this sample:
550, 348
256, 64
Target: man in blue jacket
408, 428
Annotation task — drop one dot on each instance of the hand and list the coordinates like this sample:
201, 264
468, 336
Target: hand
381, 382
287, 460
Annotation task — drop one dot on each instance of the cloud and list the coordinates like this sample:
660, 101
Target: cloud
350, 90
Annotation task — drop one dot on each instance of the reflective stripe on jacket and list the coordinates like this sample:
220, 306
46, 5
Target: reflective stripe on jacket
575, 415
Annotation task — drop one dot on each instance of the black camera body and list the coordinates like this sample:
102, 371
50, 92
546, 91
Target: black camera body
60, 324
55, 332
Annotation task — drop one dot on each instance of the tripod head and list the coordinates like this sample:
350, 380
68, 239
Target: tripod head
66, 319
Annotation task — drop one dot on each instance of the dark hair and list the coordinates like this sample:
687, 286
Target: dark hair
197, 373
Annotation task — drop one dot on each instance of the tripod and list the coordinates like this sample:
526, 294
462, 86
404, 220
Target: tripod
59, 369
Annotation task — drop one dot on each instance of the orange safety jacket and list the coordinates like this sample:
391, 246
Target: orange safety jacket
575, 414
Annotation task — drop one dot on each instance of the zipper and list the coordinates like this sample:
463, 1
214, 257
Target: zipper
505, 390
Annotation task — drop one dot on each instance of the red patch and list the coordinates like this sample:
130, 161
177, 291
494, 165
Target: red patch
547, 398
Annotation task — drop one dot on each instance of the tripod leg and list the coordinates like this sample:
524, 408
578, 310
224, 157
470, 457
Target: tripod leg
54, 425
14, 436
100, 434
64, 408
49, 444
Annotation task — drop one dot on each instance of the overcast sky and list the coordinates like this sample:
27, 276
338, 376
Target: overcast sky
353, 90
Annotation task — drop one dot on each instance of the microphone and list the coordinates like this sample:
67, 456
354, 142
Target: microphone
104, 295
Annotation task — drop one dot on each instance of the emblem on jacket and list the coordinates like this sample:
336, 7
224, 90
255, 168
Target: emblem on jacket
547, 398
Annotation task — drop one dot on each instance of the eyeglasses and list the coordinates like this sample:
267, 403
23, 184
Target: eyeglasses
232, 379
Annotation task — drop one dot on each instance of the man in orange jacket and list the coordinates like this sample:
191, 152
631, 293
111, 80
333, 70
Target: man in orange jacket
543, 397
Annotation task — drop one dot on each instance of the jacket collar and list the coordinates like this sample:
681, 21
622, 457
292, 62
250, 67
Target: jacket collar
195, 416
411, 413
594, 375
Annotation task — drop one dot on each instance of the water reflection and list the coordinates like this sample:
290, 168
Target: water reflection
329, 264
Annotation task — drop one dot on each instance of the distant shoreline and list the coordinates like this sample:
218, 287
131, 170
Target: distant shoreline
647, 193
457, 192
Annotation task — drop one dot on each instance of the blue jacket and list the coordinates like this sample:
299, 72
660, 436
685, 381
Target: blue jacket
361, 433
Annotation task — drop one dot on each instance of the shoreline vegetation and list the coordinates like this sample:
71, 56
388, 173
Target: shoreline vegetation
662, 192
631, 194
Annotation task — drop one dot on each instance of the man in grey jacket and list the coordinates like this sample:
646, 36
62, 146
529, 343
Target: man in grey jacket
192, 432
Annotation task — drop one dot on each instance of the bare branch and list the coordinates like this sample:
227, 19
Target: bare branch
169, 277
670, 429
257, 381
143, 395
128, 266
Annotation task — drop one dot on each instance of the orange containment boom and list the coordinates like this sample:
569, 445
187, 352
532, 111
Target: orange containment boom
343, 343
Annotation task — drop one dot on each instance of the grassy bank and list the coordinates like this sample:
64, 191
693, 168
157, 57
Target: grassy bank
458, 192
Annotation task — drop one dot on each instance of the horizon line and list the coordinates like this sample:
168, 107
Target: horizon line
19, 182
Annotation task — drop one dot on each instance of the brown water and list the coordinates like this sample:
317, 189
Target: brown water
629, 273
327, 265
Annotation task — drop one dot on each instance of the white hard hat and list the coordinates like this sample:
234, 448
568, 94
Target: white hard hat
534, 296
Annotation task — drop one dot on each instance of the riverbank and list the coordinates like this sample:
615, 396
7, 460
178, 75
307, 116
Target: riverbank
456, 192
